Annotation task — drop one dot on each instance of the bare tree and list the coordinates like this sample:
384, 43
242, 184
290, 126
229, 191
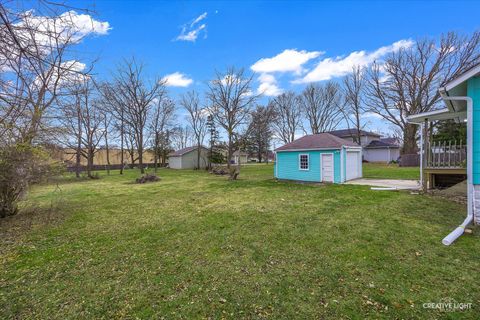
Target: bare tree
197, 119
115, 105
107, 120
182, 137
321, 104
84, 122
259, 133
407, 82
352, 109
34, 67
138, 97
163, 116
287, 116
231, 97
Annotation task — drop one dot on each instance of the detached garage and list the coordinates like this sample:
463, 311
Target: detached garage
319, 158
186, 158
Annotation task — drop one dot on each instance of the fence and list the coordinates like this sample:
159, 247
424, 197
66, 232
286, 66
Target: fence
445, 154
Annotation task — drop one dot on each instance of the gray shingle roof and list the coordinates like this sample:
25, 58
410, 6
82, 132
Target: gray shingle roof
183, 151
344, 133
317, 141
383, 143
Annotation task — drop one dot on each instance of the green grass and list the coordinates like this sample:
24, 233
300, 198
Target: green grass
390, 171
196, 245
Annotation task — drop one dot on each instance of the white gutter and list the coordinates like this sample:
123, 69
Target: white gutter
448, 240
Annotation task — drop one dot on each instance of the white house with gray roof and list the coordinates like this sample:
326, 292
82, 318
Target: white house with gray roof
375, 148
186, 158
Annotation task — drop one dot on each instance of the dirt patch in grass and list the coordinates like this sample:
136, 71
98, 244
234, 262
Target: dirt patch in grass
457, 193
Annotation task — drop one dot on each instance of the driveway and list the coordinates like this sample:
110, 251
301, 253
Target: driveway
387, 183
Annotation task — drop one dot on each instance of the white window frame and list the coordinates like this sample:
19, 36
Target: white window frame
300, 161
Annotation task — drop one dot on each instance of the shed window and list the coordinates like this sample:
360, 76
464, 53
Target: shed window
304, 162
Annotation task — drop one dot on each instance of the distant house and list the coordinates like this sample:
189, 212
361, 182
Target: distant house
319, 158
238, 156
375, 148
186, 158
382, 150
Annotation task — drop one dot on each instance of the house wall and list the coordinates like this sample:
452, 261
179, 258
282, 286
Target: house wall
364, 140
243, 159
189, 160
175, 162
473, 91
381, 154
287, 165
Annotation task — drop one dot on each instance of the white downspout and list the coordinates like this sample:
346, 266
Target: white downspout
448, 240
422, 130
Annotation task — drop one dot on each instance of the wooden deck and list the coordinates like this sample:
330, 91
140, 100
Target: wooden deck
441, 177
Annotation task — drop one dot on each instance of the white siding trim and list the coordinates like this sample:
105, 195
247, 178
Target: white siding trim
342, 167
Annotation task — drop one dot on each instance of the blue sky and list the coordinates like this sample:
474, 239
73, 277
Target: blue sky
241, 33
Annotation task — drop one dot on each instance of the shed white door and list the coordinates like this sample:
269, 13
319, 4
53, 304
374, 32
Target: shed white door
175, 162
327, 167
353, 165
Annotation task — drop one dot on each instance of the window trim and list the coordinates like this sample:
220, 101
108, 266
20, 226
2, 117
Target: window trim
300, 161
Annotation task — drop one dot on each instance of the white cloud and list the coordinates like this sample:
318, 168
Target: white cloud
330, 68
71, 73
198, 19
71, 26
191, 31
177, 79
289, 60
268, 85
371, 115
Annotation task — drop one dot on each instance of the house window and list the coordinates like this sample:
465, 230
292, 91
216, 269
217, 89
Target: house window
303, 161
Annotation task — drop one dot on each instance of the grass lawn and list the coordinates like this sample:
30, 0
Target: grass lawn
195, 245
390, 171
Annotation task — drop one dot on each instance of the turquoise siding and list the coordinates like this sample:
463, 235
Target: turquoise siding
287, 166
473, 91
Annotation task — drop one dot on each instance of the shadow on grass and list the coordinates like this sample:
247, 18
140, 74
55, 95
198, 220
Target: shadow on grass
31, 216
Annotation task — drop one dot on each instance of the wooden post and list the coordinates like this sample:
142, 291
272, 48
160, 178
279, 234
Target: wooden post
425, 155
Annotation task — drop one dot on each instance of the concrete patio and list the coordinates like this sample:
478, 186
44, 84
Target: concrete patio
387, 183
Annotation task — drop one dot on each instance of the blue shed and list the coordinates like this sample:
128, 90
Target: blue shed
319, 157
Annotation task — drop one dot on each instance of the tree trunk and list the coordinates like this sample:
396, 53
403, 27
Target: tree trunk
198, 155
79, 144
132, 158
121, 148
155, 153
106, 148
409, 139
232, 171
89, 162
78, 158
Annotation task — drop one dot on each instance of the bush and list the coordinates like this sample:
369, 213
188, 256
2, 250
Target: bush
219, 170
20, 166
147, 178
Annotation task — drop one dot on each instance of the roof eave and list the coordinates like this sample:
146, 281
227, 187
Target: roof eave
319, 149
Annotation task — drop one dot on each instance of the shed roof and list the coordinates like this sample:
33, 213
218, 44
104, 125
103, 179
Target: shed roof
183, 151
317, 141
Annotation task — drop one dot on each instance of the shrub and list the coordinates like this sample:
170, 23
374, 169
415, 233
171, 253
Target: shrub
147, 178
20, 166
219, 170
